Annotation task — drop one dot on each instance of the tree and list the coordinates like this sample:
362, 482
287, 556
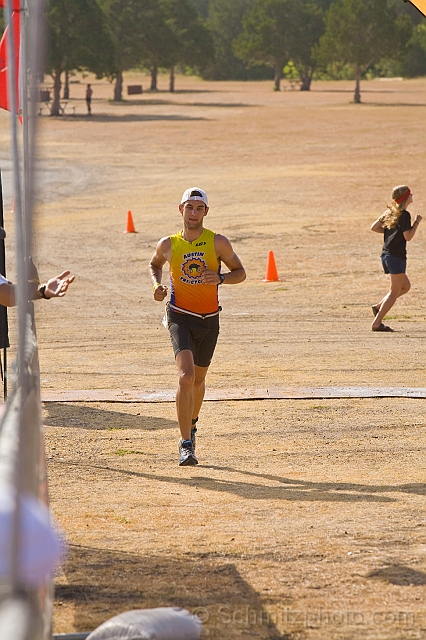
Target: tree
202, 7
77, 39
308, 29
360, 33
414, 64
181, 39
133, 26
276, 31
226, 23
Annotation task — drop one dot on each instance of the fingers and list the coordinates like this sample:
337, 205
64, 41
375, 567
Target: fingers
209, 277
63, 275
160, 293
57, 287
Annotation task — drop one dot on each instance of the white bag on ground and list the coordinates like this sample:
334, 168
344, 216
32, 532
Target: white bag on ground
164, 623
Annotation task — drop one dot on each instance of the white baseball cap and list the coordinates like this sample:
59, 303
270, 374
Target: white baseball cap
195, 194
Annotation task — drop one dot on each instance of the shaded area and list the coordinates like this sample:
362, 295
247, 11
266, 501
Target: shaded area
127, 118
81, 417
414, 488
395, 104
101, 583
288, 489
399, 575
158, 102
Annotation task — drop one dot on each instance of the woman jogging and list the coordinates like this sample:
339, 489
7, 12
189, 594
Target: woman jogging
395, 224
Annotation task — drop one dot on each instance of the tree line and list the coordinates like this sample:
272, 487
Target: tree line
233, 40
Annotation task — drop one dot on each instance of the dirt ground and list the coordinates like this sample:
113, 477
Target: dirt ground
305, 519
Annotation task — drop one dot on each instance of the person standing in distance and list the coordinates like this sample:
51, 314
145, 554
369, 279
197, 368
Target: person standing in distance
89, 94
395, 224
195, 256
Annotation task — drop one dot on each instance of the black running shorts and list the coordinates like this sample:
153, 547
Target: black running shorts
196, 334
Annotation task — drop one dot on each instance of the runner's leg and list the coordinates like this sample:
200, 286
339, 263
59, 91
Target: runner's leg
185, 392
199, 389
399, 284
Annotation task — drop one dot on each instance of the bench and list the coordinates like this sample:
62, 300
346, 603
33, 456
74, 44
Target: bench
62, 107
133, 89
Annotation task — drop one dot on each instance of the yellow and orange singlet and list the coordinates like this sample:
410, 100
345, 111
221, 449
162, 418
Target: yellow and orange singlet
188, 261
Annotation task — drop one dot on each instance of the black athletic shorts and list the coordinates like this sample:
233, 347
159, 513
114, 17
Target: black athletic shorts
199, 335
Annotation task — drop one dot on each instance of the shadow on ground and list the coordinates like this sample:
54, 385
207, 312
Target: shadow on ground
156, 102
100, 584
62, 414
130, 117
399, 575
285, 489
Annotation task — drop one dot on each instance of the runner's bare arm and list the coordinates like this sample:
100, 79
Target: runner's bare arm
377, 226
227, 255
7, 294
409, 235
161, 255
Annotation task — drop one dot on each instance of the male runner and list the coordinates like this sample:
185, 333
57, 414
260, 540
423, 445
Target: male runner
195, 255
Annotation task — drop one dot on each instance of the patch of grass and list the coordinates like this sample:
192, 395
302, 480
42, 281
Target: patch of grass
115, 428
127, 452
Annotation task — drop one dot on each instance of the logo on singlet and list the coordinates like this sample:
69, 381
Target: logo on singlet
192, 268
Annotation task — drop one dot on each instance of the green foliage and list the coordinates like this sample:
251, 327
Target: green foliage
190, 42
267, 33
133, 26
77, 37
290, 71
275, 31
361, 33
225, 23
414, 63
310, 27
178, 37
202, 6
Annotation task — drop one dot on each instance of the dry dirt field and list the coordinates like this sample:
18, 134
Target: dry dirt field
305, 518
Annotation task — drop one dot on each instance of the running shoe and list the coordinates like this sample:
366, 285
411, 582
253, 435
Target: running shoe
186, 452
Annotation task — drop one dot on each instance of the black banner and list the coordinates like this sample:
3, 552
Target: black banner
4, 327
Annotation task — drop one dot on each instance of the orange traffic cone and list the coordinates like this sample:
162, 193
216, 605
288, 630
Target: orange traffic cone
271, 269
130, 228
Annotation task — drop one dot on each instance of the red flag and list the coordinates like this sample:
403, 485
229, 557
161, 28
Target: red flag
15, 4
4, 69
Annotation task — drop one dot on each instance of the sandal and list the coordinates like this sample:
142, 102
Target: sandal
382, 327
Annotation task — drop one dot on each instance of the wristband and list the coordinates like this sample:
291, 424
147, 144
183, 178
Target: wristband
155, 286
42, 292
222, 278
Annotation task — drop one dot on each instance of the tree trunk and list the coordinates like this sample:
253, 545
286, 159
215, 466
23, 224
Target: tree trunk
67, 86
118, 87
306, 78
172, 80
54, 109
357, 94
154, 75
278, 74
